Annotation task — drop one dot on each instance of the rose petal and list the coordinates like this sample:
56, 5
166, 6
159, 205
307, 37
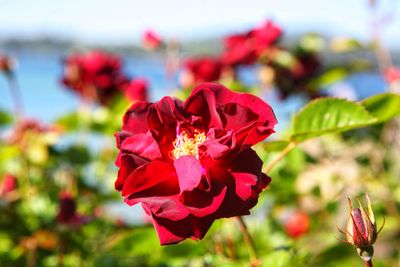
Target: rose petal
202, 203
145, 180
203, 103
172, 232
168, 207
248, 115
188, 170
143, 145
135, 119
128, 163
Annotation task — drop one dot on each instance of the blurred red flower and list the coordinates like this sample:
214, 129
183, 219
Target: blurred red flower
191, 163
203, 69
246, 48
96, 76
136, 90
8, 184
297, 224
151, 40
6, 64
67, 211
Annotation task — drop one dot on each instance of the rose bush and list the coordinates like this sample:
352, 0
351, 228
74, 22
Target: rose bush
191, 163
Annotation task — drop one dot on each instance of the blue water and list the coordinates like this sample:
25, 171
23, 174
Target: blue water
44, 97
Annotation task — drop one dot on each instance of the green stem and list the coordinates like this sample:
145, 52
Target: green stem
284, 152
248, 240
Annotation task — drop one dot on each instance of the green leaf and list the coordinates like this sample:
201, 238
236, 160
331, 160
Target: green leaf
383, 106
329, 77
5, 118
329, 115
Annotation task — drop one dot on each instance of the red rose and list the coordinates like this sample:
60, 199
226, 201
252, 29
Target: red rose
137, 90
191, 163
245, 49
205, 69
96, 76
151, 40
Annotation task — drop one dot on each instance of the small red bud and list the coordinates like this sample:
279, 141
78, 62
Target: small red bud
361, 230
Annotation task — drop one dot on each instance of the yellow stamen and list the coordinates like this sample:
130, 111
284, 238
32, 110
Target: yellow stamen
184, 145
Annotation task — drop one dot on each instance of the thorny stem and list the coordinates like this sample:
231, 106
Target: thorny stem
368, 263
283, 153
249, 240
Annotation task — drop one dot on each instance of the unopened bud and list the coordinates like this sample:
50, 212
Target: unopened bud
361, 230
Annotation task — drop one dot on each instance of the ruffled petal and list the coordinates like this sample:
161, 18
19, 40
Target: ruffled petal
157, 178
189, 172
168, 207
143, 145
163, 118
246, 114
203, 103
172, 232
198, 196
135, 119
128, 163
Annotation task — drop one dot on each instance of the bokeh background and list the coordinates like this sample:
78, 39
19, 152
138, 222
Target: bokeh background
62, 152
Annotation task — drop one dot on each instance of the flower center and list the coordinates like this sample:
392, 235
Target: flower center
185, 145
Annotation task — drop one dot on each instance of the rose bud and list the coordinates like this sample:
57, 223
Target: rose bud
361, 230
151, 40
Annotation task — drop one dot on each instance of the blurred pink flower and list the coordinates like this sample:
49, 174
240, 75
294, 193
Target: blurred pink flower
151, 40
392, 75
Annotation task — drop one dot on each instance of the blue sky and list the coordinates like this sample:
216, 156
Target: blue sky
124, 20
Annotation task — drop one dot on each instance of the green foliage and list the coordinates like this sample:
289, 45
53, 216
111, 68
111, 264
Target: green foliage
5, 118
332, 115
